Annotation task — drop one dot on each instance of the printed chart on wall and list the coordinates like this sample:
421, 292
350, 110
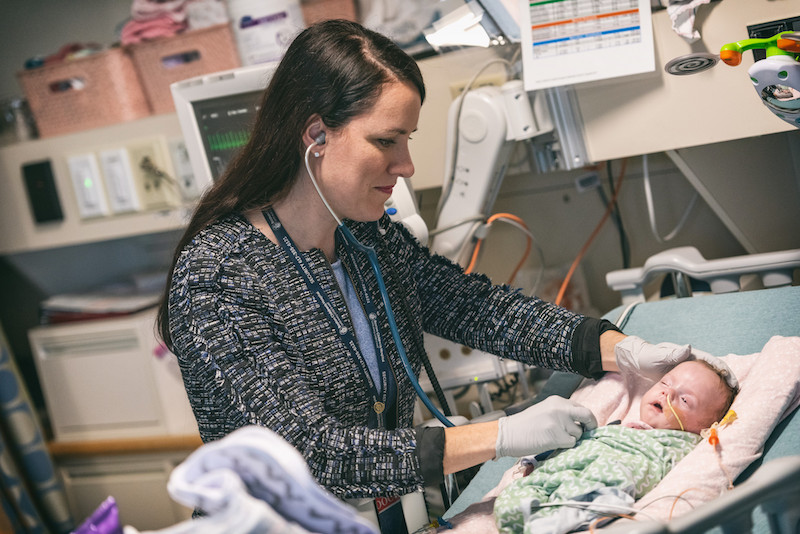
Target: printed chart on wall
575, 41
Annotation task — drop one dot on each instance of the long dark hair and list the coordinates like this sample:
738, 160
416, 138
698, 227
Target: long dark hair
336, 69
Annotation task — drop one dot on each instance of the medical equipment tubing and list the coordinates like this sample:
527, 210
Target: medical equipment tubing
373, 260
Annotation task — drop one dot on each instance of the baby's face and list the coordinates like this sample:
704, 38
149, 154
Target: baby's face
695, 392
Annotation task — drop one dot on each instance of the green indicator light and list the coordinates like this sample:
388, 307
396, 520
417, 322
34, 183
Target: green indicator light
87, 183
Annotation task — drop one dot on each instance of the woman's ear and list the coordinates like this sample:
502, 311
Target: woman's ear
315, 131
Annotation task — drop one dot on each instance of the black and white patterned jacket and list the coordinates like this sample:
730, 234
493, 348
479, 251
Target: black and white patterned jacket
254, 347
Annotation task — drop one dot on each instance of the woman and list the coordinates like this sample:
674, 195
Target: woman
276, 321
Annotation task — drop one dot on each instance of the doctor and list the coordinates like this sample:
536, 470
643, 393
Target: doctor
277, 321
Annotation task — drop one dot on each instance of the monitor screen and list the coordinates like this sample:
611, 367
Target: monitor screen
224, 124
216, 113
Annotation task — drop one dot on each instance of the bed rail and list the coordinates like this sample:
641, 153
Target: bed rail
774, 487
723, 275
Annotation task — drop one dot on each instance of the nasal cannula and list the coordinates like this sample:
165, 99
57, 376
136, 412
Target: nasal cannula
373, 260
669, 404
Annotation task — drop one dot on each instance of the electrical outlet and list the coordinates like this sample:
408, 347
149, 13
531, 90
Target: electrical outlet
488, 79
158, 188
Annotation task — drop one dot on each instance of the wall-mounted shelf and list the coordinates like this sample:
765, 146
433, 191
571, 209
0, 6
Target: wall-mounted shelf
20, 231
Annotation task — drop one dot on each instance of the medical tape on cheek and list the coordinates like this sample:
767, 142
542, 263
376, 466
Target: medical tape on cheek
669, 404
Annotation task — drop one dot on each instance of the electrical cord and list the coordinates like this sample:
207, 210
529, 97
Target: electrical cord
651, 211
455, 225
622, 320
518, 223
156, 174
604, 508
562, 291
505, 387
539, 253
624, 244
528, 236
677, 498
466, 243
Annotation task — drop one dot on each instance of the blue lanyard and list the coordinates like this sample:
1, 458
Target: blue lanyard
383, 411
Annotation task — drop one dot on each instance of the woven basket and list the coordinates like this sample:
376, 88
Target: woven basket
318, 10
94, 91
162, 62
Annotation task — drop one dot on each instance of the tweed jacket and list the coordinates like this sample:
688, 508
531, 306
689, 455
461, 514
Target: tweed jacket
256, 349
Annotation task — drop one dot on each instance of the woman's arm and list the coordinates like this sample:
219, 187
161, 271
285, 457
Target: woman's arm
554, 423
469, 445
471, 310
608, 341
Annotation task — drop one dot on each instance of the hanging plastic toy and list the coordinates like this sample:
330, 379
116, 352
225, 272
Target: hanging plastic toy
775, 78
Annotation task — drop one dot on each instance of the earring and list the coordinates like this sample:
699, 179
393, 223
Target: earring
316, 154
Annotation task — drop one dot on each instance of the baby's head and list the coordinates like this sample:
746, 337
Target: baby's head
698, 398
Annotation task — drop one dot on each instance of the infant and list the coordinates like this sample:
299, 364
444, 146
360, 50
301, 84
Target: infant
616, 464
691, 397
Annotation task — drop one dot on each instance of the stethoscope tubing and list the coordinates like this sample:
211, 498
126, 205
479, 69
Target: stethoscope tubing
373, 260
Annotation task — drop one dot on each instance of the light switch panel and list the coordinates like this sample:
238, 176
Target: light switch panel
88, 185
119, 181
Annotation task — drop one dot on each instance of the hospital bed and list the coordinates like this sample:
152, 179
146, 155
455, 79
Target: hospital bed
721, 323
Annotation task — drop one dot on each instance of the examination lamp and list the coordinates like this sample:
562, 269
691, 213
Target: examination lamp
481, 23
775, 78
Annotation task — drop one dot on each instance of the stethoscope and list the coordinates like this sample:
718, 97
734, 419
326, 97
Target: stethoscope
373, 260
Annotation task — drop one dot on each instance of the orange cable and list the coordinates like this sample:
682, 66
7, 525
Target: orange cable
525, 255
602, 517
592, 237
675, 502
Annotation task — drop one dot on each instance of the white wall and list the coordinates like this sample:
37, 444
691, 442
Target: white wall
758, 181
562, 219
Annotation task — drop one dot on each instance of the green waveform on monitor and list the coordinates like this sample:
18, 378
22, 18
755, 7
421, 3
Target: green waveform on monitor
227, 140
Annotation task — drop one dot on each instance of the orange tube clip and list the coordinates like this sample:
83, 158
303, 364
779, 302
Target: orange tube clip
789, 45
730, 57
713, 439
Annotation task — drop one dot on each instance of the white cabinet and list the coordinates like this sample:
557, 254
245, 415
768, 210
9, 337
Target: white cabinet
120, 416
138, 484
107, 379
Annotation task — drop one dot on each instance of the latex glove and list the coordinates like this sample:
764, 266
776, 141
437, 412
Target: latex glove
554, 423
636, 356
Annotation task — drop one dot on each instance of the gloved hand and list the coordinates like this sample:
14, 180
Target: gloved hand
554, 423
636, 356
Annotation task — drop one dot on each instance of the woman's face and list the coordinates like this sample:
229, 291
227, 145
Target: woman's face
362, 160
695, 392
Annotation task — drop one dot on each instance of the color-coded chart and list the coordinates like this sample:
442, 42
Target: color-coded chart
573, 41
573, 26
